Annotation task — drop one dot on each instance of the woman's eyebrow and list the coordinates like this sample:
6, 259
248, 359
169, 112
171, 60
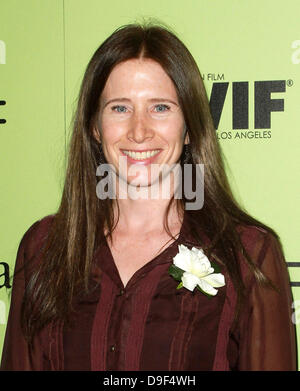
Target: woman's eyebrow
150, 100
163, 100
116, 100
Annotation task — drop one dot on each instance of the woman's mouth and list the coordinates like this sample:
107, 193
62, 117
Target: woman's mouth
142, 157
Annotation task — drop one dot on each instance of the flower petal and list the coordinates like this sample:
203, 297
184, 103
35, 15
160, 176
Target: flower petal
201, 268
216, 279
182, 248
206, 287
183, 258
182, 262
198, 251
190, 281
200, 254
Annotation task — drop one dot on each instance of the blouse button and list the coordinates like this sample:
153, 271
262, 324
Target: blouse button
112, 348
121, 292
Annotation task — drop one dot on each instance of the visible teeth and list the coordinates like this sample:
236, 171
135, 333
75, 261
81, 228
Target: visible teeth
141, 155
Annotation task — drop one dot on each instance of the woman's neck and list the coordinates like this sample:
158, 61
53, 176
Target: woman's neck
145, 215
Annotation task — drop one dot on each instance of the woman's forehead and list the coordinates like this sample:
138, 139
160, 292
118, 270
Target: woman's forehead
139, 77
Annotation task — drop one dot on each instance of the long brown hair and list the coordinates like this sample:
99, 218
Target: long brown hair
78, 226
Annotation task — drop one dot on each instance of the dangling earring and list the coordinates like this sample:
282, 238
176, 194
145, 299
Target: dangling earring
187, 154
102, 159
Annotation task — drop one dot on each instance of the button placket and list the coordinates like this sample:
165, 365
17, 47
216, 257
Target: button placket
121, 293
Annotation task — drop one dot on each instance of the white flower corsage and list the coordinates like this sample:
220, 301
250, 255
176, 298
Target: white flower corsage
193, 269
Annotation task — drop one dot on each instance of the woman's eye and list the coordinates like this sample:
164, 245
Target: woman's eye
119, 109
161, 108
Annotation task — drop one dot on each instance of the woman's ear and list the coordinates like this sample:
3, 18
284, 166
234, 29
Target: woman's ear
96, 134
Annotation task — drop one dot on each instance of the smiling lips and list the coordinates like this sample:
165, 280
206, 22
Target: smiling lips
141, 155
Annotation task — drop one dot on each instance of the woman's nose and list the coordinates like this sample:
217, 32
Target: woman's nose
140, 129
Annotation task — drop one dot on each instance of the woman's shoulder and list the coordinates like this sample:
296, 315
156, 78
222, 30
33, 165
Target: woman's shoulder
251, 232
35, 235
264, 248
256, 237
261, 244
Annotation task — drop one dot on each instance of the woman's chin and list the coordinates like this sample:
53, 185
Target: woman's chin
142, 183
138, 187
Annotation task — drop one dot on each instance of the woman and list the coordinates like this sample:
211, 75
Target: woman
95, 286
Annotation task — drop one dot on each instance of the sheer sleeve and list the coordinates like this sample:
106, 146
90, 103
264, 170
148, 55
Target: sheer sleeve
267, 333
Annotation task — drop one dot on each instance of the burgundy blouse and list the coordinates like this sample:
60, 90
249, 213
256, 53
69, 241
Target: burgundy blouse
149, 325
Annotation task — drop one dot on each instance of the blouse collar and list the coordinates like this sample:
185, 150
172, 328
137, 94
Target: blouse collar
104, 260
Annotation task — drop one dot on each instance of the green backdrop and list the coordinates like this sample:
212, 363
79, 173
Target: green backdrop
44, 48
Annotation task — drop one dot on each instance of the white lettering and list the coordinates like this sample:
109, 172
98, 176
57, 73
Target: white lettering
296, 313
166, 181
120, 381
296, 54
2, 312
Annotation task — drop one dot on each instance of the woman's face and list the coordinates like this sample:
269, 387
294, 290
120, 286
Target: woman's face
140, 119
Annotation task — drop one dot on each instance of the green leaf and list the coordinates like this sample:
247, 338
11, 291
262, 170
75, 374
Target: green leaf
176, 272
216, 267
180, 285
